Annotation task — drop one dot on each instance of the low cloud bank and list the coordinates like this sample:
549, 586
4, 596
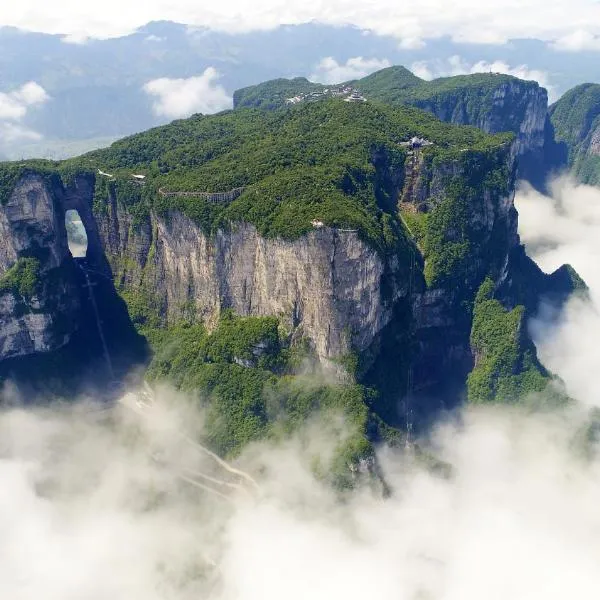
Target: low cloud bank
492, 22
565, 228
98, 504
577, 41
177, 98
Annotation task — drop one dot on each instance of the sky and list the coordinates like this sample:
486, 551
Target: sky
568, 26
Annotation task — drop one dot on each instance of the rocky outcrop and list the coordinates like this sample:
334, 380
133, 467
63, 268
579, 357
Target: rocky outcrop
594, 145
485, 217
37, 316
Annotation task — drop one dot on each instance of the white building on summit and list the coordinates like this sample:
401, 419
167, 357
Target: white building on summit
417, 142
355, 97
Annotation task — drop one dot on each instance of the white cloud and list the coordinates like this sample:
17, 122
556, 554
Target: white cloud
10, 107
101, 506
183, 97
14, 106
412, 43
423, 70
494, 21
30, 94
578, 40
455, 65
565, 228
330, 71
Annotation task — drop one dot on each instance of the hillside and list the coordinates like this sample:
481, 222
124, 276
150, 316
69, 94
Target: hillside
96, 90
492, 102
576, 119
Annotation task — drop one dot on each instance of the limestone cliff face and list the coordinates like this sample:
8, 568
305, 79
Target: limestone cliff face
516, 106
326, 286
32, 227
586, 157
594, 145
329, 286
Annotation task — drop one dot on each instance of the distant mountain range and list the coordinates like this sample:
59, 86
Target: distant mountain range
97, 91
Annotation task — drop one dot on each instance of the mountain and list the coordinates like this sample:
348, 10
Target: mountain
252, 246
576, 119
492, 102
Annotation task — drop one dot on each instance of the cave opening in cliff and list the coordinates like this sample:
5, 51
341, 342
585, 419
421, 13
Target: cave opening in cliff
76, 234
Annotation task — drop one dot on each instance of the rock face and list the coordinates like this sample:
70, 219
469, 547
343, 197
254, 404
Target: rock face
32, 227
326, 286
440, 324
513, 105
329, 286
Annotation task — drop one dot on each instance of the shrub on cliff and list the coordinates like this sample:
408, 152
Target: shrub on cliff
23, 278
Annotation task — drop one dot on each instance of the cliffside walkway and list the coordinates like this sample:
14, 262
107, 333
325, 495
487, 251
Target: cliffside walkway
214, 197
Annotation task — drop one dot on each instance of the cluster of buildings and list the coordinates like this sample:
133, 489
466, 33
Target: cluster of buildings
348, 93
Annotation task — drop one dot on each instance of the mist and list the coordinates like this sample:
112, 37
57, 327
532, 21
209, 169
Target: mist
564, 227
498, 502
97, 504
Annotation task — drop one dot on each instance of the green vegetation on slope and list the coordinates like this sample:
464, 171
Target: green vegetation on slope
462, 98
506, 369
575, 113
390, 84
459, 99
447, 235
587, 169
242, 373
23, 278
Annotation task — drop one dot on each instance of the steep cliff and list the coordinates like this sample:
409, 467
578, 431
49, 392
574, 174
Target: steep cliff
38, 292
576, 118
62, 326
325, 286
490, 101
